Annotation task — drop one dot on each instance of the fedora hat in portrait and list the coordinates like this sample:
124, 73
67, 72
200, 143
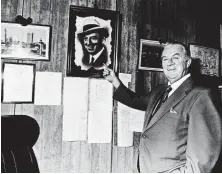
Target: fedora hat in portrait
92, 25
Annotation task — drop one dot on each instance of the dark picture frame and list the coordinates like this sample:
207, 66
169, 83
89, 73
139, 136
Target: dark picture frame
31, 42
150, 55
79, 19
11, 84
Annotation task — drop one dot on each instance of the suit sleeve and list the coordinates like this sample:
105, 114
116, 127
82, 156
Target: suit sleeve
130, 98
204, 135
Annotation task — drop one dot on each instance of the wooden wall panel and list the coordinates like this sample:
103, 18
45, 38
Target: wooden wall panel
83, 3
124, 158
169, 21
221, 49
221, 56
49, 147
81, 156
9, 10
71, 153
7, 109
91, 3
106, 4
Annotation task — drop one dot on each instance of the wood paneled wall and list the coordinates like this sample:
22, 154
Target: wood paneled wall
139, 19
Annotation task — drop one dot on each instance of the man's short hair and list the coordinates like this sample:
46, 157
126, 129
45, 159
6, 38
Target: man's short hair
183, 46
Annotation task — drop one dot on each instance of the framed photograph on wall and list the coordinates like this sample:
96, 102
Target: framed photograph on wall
31, 42
150, 55
93, 41
18, 83
208, 59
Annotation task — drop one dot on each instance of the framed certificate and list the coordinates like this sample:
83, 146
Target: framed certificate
18, 83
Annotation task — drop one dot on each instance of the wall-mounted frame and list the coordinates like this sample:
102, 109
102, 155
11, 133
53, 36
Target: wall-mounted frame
92, 32
150, 55
18, 83
209, 59
31, 42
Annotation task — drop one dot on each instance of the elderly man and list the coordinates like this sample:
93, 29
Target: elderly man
182, 127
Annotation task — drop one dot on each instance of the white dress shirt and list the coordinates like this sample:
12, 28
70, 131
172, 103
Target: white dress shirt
96, 55
176, 84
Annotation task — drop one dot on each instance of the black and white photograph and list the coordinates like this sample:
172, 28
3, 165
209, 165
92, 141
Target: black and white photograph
31, 42
93, 41
111, 86
150, 55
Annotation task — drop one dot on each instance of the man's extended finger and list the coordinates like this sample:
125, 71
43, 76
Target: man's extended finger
106, 67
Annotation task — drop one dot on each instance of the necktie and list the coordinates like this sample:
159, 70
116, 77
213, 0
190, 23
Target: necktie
162, 99
92, 60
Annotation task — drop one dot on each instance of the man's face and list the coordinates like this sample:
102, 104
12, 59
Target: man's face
93, 43
175, 63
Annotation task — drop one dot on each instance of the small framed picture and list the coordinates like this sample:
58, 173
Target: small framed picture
208, 59
18, 83
93, 41
31, 42
150, 55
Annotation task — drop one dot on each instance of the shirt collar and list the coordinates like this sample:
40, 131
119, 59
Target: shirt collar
96, 55
176, 84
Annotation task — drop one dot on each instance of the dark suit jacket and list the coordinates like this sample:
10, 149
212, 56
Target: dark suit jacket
103, 58
184, 135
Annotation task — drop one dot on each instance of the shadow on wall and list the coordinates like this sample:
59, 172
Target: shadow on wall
201, 79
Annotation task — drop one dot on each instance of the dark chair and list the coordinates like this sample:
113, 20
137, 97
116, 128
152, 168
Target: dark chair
19, 134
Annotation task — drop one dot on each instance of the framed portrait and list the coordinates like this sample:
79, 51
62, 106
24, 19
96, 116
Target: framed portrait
208, 59
150, 55
93, 41
31, 42
18, 83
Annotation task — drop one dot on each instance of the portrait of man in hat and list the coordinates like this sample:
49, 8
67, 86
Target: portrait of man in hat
92, 42
94, 53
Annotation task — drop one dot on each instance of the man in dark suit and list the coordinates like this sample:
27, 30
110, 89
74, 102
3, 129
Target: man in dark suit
95, 52
182, 129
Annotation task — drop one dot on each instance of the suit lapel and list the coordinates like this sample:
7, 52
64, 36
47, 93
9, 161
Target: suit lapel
154, 99
101, 59
175, 98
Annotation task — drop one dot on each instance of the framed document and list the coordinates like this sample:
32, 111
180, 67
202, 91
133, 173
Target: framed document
18, 83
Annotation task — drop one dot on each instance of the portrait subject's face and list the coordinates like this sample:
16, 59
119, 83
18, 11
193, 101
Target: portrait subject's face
93, 43
175, 63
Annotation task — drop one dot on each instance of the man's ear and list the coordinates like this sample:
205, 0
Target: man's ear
189, 60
